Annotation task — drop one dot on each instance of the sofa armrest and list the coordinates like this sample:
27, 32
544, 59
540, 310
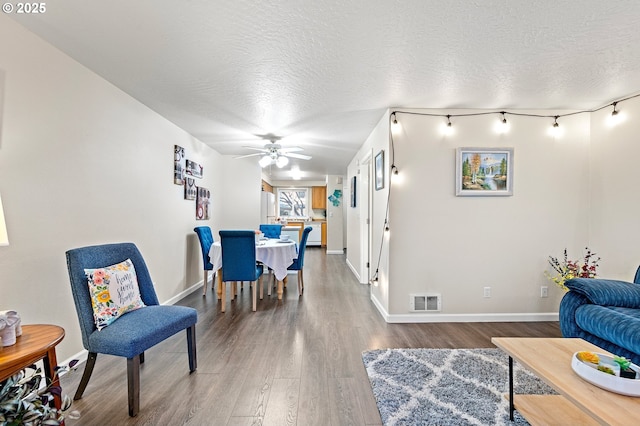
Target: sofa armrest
570, 302
606, 292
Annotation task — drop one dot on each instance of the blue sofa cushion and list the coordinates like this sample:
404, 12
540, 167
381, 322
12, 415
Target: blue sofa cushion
607, 292
614, 324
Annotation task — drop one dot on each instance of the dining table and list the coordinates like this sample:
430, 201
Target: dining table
277, 254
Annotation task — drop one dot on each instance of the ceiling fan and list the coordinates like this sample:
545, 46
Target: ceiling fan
274, 153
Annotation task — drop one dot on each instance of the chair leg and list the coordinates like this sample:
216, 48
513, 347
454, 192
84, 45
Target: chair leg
206, 281
133, 382
88, 369
253, 295
261, 289
271, 284
300, 282
223, 294
191, 348
213, 280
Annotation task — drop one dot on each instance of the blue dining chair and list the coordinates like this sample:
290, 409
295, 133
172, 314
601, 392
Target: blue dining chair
239, 262
206, 240
298, 263
131, 334
271, 231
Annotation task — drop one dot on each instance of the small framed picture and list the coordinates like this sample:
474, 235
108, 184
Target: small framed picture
484, 172
379, 172
353, 191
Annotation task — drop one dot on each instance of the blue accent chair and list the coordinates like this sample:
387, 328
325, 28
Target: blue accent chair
271, 231
605, 313
206, 240
298, 264
134, 332
239, 262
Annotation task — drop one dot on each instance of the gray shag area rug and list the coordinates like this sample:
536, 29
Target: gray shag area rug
446, 386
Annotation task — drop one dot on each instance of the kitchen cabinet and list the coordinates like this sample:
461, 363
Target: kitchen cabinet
323, 242
319, 197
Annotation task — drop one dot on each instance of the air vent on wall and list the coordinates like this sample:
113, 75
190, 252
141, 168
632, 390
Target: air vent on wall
427, 302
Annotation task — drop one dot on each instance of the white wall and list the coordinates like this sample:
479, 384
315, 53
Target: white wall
335, 222
83, 163
356, 249
614, 223
455, 246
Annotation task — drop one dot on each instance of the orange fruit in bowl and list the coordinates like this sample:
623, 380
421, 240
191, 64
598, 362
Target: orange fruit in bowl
587, 356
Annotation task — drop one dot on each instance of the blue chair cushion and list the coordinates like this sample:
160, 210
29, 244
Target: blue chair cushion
613, 324
206, 240
125, 336
271, 231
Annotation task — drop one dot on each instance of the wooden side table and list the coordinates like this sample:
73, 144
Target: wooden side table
38, 342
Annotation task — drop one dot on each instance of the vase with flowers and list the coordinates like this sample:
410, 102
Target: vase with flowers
566, 269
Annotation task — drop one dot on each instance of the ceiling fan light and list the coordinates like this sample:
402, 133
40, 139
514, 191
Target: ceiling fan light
265, 161
282, 161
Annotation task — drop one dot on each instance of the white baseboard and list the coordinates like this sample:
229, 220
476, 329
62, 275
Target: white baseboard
355, 272
335, 251
184, 293
485, 317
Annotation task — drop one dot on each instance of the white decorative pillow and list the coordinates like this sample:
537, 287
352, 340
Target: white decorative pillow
114, 291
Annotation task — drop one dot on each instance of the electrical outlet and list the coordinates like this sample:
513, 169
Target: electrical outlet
487, 292
544, 291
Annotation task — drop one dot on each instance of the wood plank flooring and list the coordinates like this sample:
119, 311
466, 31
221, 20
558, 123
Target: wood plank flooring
293, 362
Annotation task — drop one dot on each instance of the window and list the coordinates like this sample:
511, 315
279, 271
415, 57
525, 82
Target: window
293, 203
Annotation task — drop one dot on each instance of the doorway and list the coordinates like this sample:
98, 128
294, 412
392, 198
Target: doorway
365, 218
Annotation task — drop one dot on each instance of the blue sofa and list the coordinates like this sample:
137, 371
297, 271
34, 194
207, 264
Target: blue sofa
605, 313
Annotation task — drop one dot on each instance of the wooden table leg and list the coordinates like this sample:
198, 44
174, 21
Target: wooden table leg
50, 363
219, 292
280, 285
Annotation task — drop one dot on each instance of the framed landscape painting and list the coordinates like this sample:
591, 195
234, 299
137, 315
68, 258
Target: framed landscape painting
484, 172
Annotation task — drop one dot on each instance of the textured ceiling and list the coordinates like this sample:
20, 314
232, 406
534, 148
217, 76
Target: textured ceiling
321, 73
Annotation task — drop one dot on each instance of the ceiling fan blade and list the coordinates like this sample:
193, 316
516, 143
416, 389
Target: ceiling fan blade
300, 156
292, 149
248, 155
256, 149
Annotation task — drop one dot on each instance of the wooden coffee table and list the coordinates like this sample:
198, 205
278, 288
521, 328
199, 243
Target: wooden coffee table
578, 402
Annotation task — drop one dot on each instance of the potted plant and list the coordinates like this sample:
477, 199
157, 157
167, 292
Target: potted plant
24, 402
567, 269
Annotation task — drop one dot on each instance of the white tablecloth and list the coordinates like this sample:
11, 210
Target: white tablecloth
273, 253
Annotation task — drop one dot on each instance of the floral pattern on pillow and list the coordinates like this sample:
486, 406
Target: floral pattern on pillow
114, 292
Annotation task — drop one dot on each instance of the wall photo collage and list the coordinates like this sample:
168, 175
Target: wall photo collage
185, 173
